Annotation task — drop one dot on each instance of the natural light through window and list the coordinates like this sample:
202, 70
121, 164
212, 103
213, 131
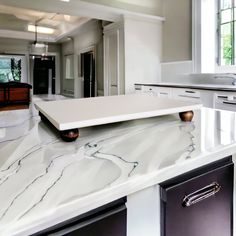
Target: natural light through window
226, 19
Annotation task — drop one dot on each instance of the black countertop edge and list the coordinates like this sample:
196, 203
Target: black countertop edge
191, 86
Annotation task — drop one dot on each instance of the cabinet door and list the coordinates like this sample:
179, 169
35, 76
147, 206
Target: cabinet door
157, 91
186, 94
200, 206
225, 101
164, 92
113, 60
107, 220
109, 224
150, 90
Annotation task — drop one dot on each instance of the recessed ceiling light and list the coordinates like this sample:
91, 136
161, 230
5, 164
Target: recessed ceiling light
64, 0
40, 29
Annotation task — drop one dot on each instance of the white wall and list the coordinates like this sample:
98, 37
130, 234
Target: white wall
67, 84
177, 41
176, 72
177, 30
143, 52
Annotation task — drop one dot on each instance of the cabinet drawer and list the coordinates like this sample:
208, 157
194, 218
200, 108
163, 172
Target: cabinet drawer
200, 205
186, 94
164, 92
152, 90
107, 220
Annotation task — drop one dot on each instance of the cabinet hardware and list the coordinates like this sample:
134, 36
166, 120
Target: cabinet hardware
113, 85
221, 96
186, 96
189, 91
229, 103
201, 194
163, 93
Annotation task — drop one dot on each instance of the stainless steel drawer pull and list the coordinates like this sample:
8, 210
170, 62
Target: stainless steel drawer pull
219, 96
113, 85
189, 91
162, 93
187, 96
230, 103
201, 194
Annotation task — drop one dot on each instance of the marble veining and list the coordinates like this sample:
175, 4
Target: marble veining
39, 172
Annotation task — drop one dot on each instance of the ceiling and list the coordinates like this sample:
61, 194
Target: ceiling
14, 23
65, 17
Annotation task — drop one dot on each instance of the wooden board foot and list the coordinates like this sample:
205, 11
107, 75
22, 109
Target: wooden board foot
186, 116
69, 135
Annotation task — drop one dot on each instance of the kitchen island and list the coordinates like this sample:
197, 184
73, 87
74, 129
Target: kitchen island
45, 181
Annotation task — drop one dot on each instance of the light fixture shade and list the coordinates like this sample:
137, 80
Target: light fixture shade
39, 48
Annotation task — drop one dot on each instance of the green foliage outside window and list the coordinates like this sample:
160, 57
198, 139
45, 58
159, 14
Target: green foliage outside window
10, 69
227, 50
16, 69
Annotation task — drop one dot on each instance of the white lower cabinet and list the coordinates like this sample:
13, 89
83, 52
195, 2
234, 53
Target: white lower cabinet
224, 100
157, 91
186, 94
164, 92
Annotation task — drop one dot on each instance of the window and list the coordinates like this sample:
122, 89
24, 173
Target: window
10, 69
69, 61
227, 27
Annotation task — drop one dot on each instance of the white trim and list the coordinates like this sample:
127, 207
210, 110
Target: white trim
112, 26
117, 12
196, 35
105, 64
112, 29
118, 61
175, 62
142, 17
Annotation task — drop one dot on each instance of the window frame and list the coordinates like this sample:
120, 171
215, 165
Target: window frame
219, 38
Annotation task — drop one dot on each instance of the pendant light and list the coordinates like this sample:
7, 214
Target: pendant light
38, 47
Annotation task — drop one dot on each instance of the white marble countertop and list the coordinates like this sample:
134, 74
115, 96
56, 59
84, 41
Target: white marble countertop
213, 86
44, 181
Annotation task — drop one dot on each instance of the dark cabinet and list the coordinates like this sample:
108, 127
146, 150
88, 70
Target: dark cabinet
14, 93
199, 203
109, 220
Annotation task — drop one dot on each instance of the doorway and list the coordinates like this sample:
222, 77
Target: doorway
88, 73
43, 74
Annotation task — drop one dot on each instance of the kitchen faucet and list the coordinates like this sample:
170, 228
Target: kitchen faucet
230, 76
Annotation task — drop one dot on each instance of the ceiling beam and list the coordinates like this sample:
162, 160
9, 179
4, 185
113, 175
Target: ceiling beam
25, 35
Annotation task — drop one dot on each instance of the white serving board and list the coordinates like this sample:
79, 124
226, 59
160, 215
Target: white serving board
85, 112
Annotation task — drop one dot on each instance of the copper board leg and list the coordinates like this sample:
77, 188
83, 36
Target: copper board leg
186, 116
69, 135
